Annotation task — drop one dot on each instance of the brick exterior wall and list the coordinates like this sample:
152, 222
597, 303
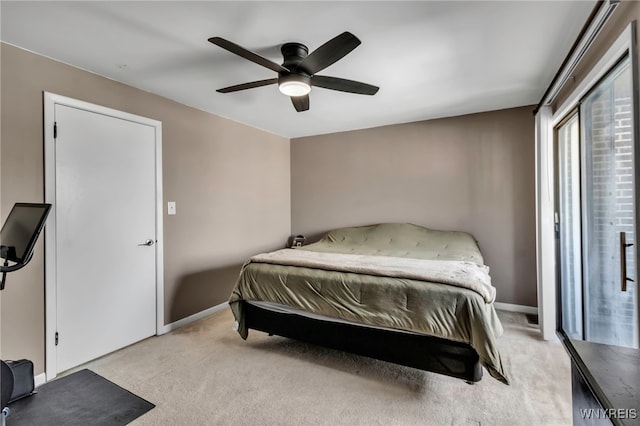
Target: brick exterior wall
610, 184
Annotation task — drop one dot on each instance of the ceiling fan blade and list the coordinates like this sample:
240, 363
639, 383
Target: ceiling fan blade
343, 85
330, 52
250, 85
247, 54
301, 103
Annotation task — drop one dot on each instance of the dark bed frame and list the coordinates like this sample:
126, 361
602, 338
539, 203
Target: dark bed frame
413, 350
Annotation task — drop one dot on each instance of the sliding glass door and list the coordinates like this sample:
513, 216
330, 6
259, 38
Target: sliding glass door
608, 206
569, 232
596, 214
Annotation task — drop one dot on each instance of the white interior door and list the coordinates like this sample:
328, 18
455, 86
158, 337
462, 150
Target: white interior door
105, 243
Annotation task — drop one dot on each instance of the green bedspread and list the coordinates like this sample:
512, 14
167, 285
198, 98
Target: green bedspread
425, 307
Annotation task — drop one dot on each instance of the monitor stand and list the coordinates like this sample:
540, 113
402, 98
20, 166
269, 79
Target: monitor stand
5, 268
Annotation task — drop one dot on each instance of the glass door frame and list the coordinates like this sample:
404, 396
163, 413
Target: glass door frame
575, 112
624, 64
635, 135
633, 63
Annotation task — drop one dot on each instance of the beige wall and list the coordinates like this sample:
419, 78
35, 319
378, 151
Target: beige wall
473, 173
230, 182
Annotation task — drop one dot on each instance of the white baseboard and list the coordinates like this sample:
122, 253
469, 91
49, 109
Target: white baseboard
516, 308
191, 318
39, 379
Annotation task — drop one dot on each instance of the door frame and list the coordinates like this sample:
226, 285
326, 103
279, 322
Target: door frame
50, 101
547, 119
624, 45
575, 112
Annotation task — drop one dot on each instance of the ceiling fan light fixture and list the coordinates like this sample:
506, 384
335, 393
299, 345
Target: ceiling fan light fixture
294, 84
294, 88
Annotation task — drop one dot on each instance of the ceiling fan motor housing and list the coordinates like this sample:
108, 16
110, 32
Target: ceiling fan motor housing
293, 53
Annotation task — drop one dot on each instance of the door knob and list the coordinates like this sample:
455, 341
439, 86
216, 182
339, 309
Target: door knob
147, 243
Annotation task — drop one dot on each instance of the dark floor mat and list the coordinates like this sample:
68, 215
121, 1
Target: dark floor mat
81, 398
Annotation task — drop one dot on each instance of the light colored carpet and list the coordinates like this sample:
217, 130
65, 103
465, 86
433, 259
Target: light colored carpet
205, 374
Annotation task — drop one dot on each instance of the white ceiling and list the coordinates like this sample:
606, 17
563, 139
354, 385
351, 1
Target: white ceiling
430, 59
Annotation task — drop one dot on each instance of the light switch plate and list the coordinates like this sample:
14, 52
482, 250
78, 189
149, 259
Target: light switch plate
171, 207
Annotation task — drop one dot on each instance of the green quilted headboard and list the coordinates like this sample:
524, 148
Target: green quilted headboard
401, 240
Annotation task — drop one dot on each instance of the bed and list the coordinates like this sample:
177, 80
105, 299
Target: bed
396, 292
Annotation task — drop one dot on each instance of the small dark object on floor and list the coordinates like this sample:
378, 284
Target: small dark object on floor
22, 375
532, 319
81, 398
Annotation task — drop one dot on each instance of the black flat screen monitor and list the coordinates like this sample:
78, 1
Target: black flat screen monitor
21, 229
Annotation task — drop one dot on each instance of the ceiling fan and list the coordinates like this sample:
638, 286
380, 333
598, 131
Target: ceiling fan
297, 74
